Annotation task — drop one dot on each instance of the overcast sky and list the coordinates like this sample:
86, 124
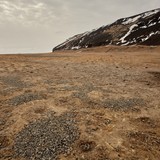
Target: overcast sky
39, 25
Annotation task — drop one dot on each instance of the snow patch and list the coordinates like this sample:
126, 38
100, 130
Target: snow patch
147, 14
110, 43
152, 24
75, 47
128, 33
131, 20
152, 33
79, 36
143, 39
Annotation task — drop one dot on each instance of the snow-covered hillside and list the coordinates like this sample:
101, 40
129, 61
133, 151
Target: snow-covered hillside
141, 29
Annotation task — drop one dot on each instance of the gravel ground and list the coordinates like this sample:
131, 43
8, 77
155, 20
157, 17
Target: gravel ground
25, 98
121, 104
115, 96
114, 104
48, 138
13, 81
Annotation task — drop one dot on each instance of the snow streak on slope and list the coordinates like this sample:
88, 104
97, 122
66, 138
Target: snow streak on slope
128, 33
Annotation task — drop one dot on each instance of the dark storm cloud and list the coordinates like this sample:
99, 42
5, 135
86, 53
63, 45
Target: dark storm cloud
46, 23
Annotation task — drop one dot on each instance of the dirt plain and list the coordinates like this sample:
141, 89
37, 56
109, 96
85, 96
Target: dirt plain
92, 104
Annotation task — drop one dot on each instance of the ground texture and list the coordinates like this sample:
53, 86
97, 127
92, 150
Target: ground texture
91, 104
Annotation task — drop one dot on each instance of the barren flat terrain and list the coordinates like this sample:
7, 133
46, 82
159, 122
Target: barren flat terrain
90, 104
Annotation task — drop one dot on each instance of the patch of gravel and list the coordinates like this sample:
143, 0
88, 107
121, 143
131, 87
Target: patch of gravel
80, 95
48, 138
81, 92
13, 81
25, 98
122, 103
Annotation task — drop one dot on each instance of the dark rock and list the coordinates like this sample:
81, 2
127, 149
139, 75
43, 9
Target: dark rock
87, 146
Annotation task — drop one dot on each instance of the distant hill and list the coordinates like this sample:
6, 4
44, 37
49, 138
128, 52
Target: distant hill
141, 29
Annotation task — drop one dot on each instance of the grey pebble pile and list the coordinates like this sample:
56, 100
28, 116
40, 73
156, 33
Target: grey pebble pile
122, 103
46, 139
13, 81
25, 98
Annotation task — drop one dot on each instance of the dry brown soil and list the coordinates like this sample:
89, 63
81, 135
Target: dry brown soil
113, 92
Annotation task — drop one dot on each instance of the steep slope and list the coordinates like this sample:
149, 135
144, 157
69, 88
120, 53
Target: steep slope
141, 29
